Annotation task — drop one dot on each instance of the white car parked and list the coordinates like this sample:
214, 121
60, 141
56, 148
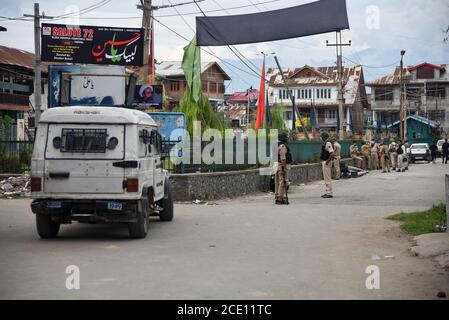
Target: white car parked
98, 164
419, 151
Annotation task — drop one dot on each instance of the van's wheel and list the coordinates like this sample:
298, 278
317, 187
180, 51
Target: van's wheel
46, 227
167, 203
139, 229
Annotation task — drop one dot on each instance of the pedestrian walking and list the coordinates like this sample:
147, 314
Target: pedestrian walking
337, 159
445, 151
281, 172
327, 155
355, 154
433, 152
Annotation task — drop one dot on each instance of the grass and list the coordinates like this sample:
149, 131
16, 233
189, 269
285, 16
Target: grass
416, 223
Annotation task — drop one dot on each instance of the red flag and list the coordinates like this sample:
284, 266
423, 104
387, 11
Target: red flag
261, 102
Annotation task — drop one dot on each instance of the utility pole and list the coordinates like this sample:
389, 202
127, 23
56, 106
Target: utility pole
148, 25
37, 60
402, 112
292, 98
341, 114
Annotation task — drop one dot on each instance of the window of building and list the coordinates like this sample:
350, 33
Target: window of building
213, 87
175, 85
329, 93
413, 93
435, 90
331, 114
425, 73
204, 86
318, 95
298, 92
302, 94
310, 94
221, 88
383, 94
288, 115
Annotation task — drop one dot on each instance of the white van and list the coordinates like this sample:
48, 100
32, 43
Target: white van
98, 164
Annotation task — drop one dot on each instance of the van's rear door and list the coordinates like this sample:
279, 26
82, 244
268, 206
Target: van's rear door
84, 158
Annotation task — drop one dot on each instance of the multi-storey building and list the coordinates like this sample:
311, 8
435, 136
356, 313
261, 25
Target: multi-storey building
427, 95
213, 79
317, 89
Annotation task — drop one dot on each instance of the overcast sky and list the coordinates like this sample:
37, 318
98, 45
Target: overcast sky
379, 30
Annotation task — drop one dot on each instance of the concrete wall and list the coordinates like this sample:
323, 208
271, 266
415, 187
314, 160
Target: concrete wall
447, 203
220, 185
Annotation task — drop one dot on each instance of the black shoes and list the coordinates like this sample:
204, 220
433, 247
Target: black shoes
327, 196
281, 202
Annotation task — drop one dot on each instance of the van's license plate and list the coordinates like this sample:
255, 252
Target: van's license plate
116, 206
54, 204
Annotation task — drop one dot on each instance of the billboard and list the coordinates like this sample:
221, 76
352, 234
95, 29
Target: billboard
92, 44
89, 85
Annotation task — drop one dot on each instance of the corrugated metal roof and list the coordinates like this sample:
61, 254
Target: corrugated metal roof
242, 96
20, 58
394, 79
174, 69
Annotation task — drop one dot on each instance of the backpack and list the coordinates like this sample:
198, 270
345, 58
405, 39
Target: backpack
400, 151
288, 156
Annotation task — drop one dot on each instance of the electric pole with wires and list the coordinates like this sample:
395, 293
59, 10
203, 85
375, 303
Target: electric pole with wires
147, 24
37, 60
341, 114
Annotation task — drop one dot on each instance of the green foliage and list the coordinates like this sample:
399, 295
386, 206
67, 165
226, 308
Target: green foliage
416, 223
5, 127
201, 111
277, 118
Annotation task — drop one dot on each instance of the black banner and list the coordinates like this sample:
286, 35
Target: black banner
300, 21
92, 45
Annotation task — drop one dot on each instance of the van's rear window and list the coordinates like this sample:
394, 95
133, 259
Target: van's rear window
84, 140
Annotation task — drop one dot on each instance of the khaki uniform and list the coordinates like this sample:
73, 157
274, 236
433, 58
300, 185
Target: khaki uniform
327, 169
336, 161
366, 153
281, 175
384, 158
354, 152
392, 148
374, 157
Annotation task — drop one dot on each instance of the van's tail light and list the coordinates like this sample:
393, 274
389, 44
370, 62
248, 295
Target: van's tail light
131, 185
36, 184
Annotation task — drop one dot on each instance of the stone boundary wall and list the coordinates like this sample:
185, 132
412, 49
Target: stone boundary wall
231, 184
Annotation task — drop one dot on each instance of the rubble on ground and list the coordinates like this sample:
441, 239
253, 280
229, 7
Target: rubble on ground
16, 186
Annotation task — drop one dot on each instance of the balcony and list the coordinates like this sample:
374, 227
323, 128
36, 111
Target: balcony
15, 99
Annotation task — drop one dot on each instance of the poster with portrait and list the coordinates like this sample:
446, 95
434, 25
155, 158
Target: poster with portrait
148, 96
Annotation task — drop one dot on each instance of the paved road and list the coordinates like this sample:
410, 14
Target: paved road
237, 249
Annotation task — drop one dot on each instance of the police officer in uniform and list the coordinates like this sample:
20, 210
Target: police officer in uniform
384, 158
366, 153
327, 155
281, 174
337, 158
354, 152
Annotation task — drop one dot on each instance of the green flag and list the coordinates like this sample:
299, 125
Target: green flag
191, 64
